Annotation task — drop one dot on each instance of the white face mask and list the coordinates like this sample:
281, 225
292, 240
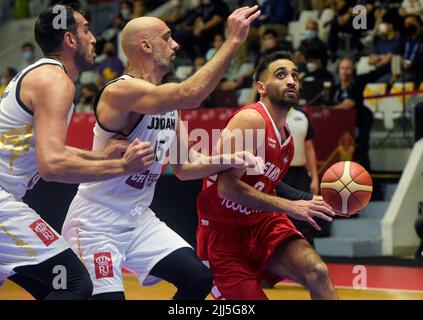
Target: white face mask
382, 29
125, 13
311, 66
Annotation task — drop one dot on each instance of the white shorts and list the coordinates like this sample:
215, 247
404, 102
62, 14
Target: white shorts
105, 245
25, 238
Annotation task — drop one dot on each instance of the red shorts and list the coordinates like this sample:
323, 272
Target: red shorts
237, 255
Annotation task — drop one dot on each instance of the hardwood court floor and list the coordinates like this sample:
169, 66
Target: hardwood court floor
384, 282
282, 291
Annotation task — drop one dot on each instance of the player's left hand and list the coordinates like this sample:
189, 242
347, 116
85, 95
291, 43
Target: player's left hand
115, 148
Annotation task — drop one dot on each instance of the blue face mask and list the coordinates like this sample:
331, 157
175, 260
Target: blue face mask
310, 34
28, 56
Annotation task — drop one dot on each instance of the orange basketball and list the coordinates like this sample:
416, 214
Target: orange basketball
346, 187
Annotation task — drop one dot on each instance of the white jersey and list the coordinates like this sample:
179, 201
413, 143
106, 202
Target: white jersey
126, 193
300, 126
18, 163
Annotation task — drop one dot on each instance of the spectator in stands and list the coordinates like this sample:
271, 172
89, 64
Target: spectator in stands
316, 66
270, 41
311, 40
28, 55
86, 101
110, 34
218, 40
7, 76
275, 12
175, 15
348, 94
198, 28
110, 66
412, 63
316, 75
414, 7
199, 62
342, 23
140, 8
389, 40
126, 11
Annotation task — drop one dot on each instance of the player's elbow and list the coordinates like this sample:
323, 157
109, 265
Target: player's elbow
50, 169
180, 173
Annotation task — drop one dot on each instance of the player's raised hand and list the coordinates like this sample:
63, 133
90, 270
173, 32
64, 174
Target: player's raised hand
306, 210
239, 22
138, 156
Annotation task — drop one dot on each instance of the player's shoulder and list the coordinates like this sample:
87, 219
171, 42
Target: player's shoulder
46, 77
248, 117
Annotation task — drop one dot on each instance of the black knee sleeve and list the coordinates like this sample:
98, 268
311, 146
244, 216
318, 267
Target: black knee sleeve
70, 281
183, 269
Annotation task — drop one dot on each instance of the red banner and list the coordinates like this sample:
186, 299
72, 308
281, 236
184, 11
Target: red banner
333, 129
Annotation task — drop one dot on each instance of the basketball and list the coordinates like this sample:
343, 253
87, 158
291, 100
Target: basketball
347, 187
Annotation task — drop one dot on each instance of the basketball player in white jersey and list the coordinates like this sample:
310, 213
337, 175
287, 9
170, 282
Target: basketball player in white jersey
34, 112
109, 223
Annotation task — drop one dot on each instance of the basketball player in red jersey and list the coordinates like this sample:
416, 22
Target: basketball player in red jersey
244, 234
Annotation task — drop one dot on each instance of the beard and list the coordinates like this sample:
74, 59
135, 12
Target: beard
82, 62
281, 100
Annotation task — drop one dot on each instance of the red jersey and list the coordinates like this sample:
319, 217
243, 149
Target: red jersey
278, 156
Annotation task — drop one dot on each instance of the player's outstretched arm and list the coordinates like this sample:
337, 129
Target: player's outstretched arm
195, 165
50, 105
143, 97
114, 149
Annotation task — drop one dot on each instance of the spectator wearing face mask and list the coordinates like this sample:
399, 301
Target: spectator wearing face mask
311, 41
316, 66
412, 62
28, 55
126, 11
388, 40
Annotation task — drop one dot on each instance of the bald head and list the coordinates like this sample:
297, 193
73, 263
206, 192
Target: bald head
138, 29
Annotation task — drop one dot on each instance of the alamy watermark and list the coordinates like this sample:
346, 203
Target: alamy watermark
360, 280
360, 17
60, 20
60, 281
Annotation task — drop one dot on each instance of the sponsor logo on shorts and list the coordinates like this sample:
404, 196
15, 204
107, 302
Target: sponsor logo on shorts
103, 265
43, 231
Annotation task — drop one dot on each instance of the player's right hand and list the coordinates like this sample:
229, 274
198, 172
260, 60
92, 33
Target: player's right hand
306, 210
239, 22
138, 156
